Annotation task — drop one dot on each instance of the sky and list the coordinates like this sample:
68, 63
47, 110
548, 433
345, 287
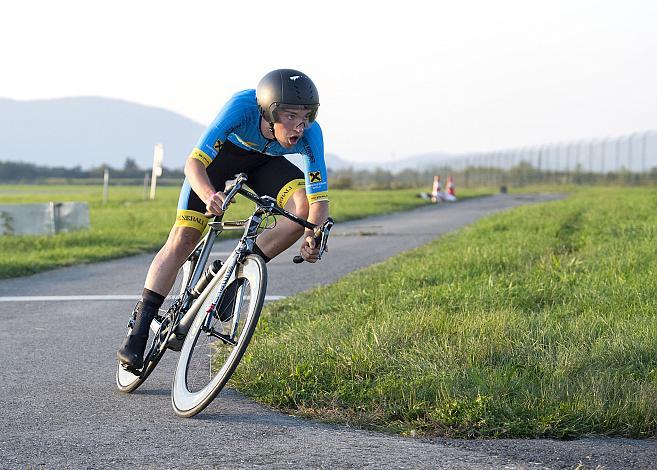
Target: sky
395, 78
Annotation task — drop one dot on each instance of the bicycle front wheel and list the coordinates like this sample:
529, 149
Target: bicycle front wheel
209, 356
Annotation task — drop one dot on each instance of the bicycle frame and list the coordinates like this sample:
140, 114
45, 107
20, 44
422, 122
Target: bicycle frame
243, 248
172, 327
190, 304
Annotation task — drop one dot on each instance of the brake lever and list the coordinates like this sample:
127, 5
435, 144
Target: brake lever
320, 235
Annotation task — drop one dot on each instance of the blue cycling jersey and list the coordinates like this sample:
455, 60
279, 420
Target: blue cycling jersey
239, 122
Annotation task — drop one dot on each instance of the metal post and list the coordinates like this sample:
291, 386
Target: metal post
644, 149
106, 186
145, 186
603, 153
630, 148
538, 163
591, 144
51, 213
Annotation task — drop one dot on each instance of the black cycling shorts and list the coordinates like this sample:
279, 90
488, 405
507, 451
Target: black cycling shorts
267, 175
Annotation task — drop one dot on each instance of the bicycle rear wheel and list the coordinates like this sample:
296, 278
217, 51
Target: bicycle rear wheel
128, 381
209, 358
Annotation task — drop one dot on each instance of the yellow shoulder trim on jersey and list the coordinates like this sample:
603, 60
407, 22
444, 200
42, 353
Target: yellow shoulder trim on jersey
288, 190
252, 145
201, 156
318, 197
193, 219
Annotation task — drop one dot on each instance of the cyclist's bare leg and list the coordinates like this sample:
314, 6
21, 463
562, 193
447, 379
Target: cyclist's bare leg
162, 273
286, 233
160, 278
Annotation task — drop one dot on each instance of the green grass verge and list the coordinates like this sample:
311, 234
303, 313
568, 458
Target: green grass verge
128, 225
538, 322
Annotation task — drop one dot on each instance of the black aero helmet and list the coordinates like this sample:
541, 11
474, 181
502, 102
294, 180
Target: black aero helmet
286, 87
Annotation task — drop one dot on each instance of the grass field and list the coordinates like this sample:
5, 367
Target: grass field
538, 322
128, 225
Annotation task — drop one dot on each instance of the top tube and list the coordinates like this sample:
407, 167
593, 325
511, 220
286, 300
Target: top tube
270, 204
264, 202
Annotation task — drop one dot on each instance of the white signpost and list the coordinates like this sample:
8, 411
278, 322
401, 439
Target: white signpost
105, 186
158, 158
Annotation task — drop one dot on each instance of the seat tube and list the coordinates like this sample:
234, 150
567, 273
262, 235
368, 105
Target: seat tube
203, 257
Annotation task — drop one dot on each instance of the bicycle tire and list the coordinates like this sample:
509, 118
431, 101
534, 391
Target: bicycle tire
203, 355
127, 381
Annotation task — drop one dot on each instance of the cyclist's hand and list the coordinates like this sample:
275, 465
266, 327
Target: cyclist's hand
309, 250
213, 204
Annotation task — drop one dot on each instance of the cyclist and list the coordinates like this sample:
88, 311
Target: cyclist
251, 133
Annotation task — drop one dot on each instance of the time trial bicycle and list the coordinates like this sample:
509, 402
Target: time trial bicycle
214, 308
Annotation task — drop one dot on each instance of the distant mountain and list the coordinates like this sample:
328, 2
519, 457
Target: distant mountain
90, 131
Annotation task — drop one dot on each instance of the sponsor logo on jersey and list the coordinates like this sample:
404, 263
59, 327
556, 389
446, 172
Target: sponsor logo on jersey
286, 191
190, 218
308, 150
217, 145
323, 196
315, 176
187, 218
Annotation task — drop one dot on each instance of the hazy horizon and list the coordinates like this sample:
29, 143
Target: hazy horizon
394, 81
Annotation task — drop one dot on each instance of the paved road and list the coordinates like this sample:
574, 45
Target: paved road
61, 408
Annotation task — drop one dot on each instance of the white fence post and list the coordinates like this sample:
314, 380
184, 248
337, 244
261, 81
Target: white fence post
106, 186
158, 157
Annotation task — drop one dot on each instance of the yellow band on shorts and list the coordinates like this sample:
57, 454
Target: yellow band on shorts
288, 190
201, 156
318, 197
193, 219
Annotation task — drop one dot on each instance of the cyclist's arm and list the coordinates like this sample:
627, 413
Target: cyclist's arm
318, 214
316, 188
200, 182
207, 148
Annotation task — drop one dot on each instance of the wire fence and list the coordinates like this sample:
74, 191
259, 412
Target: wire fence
628, 159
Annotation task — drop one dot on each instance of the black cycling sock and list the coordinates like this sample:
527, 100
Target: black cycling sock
152, 299
258, 251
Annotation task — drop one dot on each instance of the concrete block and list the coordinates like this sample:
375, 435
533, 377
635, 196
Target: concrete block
43, 219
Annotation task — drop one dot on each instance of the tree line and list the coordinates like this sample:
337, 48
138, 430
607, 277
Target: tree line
519, 174
21, 172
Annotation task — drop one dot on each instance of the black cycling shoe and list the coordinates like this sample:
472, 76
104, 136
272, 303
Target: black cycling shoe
131, 352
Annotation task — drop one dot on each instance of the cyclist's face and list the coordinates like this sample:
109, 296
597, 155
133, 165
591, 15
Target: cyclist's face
290, 125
